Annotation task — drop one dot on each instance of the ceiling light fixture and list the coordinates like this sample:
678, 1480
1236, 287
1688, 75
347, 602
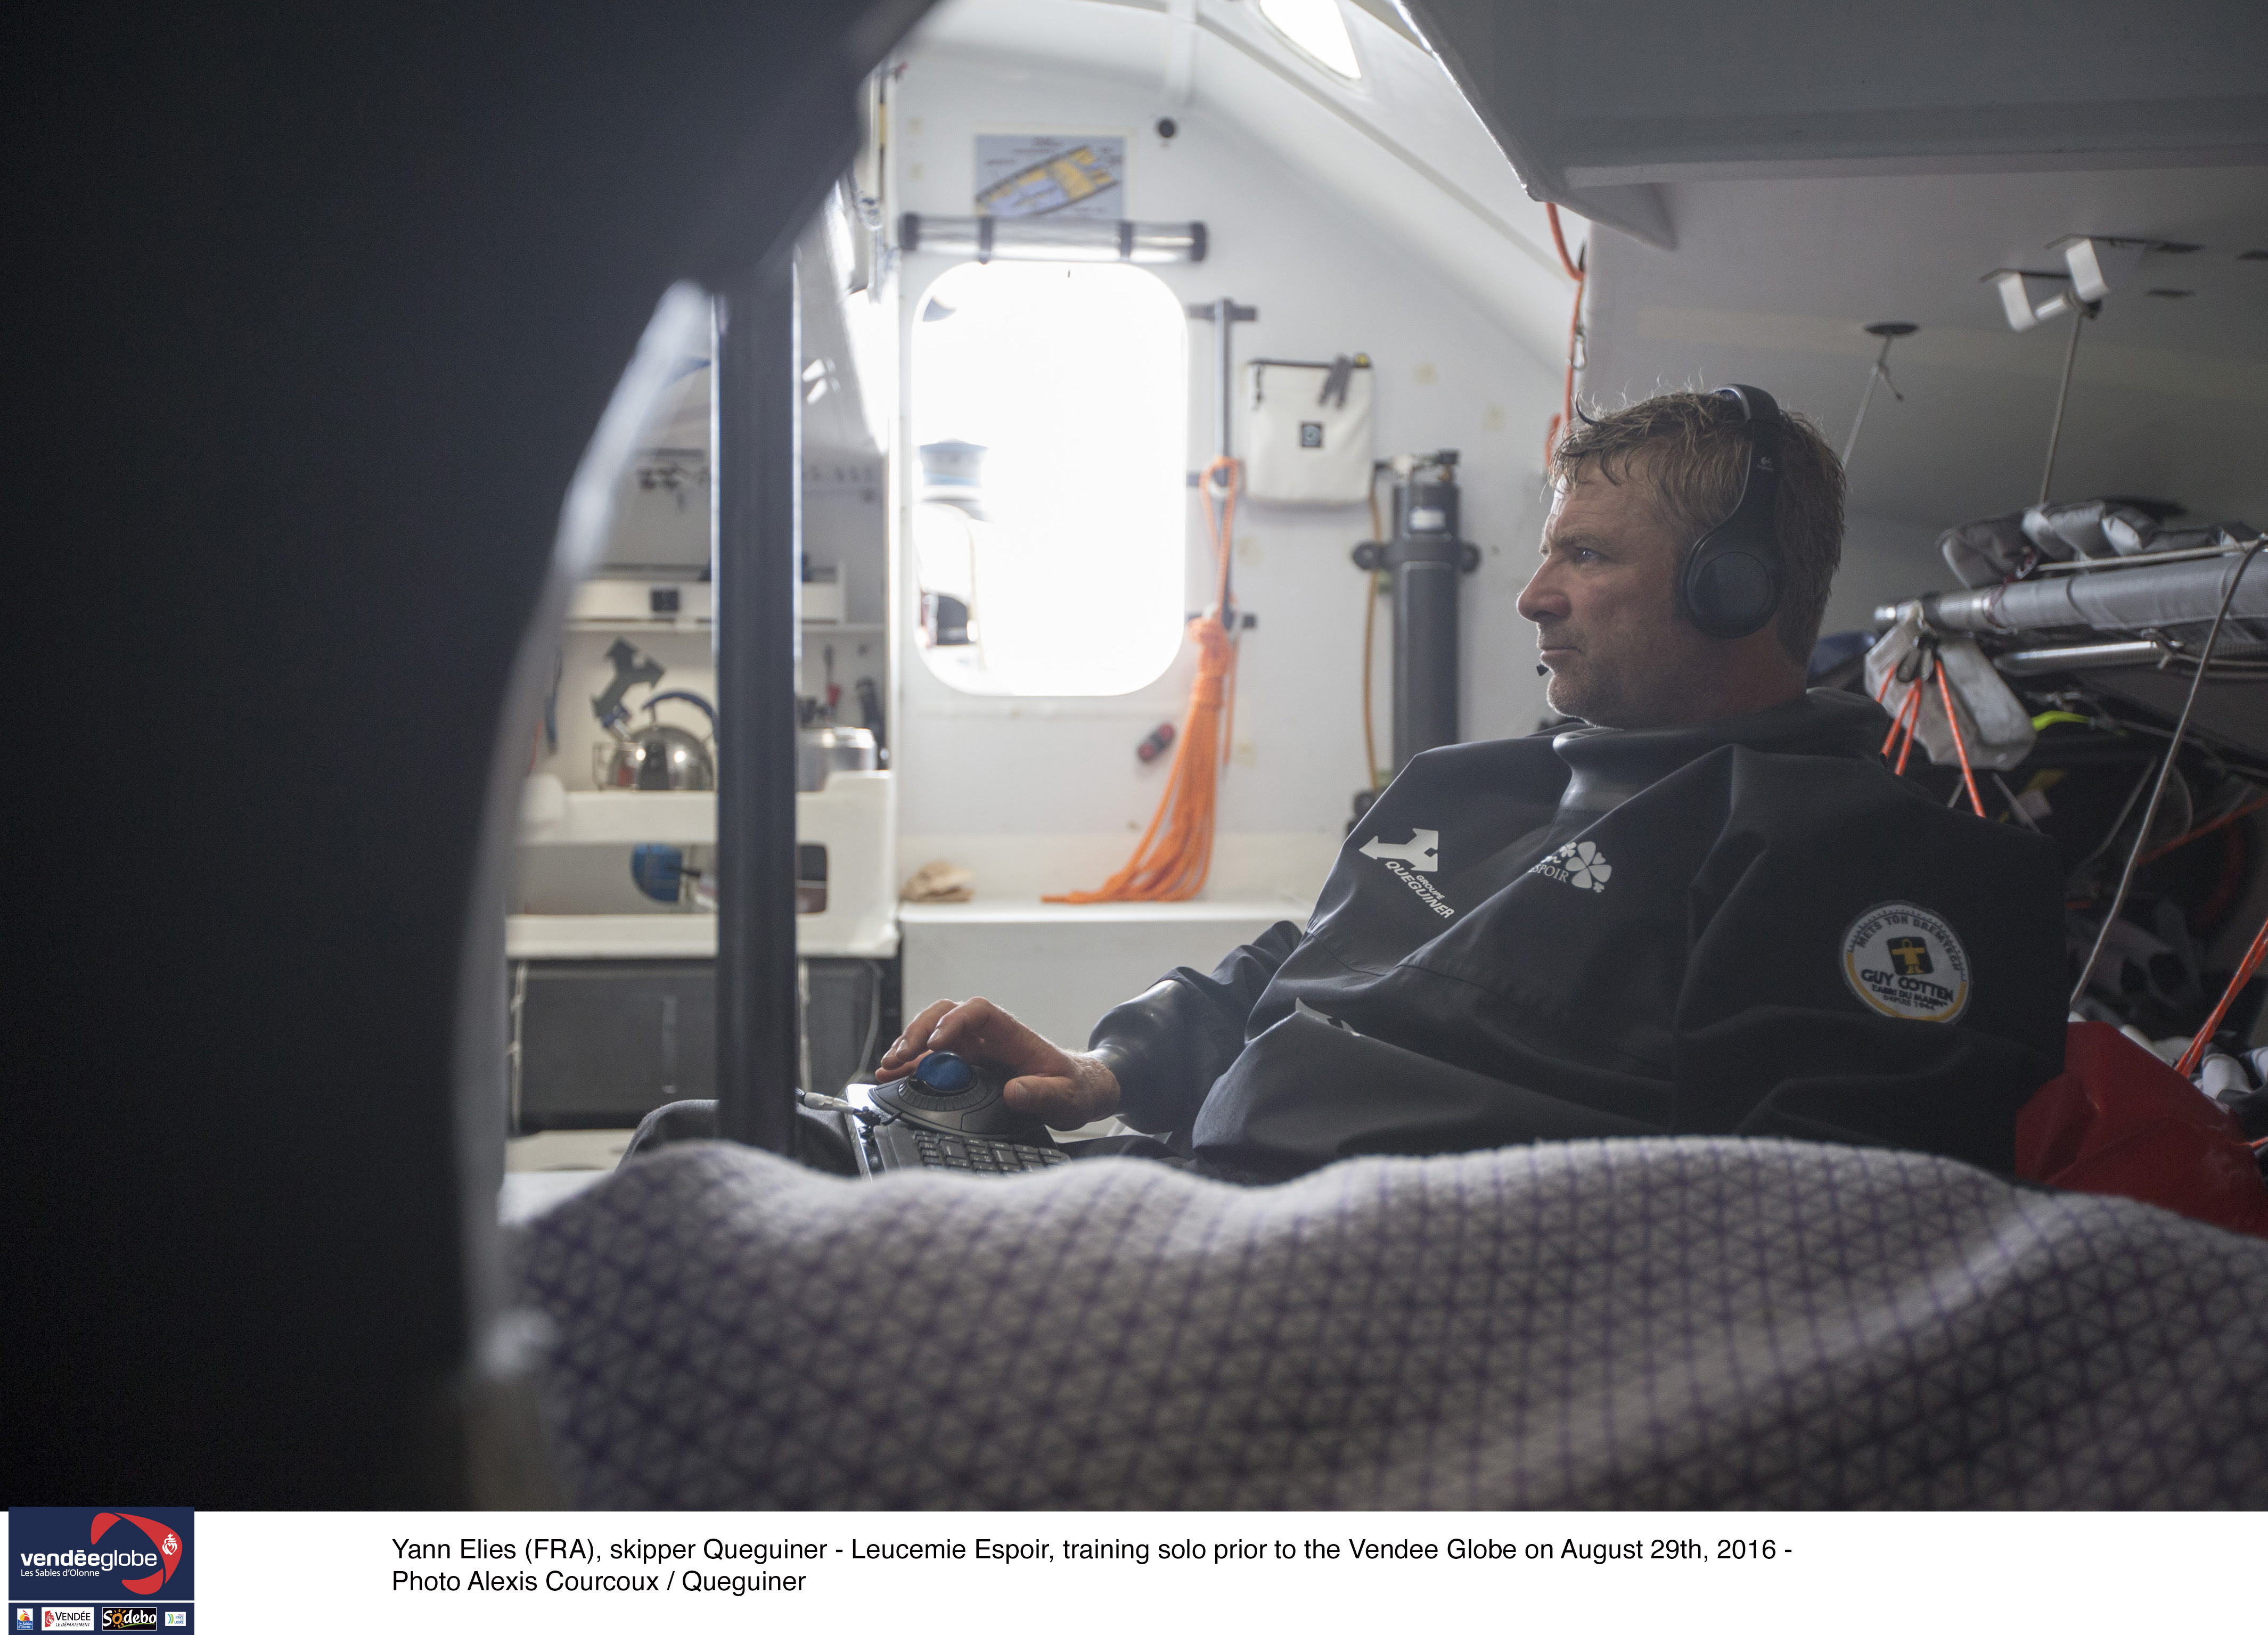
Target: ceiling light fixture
1316, 28
1889, 331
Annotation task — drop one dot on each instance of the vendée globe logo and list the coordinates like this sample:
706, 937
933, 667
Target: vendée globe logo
66, 1553
170, 1556
166, 1559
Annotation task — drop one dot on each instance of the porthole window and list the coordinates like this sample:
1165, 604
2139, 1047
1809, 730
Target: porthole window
1050, 408
1318, 29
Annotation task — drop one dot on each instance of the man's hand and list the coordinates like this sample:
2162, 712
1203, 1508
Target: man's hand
1064, 1087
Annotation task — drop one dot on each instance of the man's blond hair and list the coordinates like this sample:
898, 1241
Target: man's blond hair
1692, 448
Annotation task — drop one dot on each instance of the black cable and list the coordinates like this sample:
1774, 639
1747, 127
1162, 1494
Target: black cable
2117, 824
2173, 748
873, 1018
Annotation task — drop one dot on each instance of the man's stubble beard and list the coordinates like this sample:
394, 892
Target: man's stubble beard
1602, 696
1592, 694
1572, 697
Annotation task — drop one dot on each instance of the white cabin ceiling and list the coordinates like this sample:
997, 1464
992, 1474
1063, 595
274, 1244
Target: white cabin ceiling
1773, 282
1399, 150
1597, 104
1816, 169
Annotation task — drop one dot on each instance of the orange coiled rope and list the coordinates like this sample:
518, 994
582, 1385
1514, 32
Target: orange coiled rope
1907, 720
1579, 271
2245, 967
1960, 746
1175, 853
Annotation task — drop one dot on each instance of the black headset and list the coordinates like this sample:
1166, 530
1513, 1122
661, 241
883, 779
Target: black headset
1729, 586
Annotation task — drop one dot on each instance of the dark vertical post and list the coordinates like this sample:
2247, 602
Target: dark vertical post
756, 453
1426, 558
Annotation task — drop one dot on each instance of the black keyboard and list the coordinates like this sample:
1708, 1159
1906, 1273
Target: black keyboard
902, 1145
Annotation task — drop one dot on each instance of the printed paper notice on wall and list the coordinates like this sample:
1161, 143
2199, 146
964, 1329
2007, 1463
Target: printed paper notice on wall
1072, 176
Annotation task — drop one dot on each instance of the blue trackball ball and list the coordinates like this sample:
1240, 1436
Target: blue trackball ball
943, 1071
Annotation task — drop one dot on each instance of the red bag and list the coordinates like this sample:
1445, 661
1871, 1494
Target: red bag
2121, 1122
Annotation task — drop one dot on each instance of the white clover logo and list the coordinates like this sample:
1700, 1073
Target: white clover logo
1588, 868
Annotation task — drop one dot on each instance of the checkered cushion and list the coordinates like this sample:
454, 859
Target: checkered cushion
1663, 1324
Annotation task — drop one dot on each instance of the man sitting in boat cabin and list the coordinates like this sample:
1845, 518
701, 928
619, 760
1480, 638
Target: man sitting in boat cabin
1711, 910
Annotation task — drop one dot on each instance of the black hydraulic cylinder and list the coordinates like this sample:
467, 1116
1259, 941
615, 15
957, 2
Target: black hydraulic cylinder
757, 459
1425, 558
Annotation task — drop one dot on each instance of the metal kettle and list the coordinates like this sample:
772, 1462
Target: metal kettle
658, 755
823, 748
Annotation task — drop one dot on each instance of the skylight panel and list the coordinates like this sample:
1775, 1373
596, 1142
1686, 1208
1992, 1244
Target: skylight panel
1316, 28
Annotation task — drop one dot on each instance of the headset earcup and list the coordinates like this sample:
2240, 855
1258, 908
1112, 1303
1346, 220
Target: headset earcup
1730, 592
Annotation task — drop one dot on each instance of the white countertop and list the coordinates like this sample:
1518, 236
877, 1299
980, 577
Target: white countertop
651, 936
1031, 910
550, 816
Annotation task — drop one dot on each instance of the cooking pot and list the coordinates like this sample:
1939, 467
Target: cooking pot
826, 749
658, 755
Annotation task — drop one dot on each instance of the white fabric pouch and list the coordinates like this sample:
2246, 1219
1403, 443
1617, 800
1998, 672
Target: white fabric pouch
1305, 435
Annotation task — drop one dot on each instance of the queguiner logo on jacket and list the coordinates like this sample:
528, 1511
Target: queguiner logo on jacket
1420, 854
1580, 864
1903, 961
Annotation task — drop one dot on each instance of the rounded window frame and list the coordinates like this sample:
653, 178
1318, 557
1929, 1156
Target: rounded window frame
1171, 397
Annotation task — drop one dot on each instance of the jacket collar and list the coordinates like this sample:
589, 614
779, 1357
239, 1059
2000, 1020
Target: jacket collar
1608, 765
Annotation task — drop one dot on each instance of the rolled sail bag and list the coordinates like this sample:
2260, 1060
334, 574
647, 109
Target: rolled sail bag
1987, 552
1996, 728
2088, 527
2130, 541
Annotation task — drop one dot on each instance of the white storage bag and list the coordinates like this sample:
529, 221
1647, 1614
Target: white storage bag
1305, 435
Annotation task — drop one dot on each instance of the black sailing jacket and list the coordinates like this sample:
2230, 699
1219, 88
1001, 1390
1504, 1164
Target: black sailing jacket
1747, 926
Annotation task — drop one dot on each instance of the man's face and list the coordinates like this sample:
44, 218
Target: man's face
1605, 609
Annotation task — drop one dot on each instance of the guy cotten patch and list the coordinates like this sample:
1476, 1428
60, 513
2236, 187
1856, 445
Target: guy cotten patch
1903, 960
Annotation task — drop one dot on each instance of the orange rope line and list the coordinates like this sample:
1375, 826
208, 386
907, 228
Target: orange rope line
1223, 530
1565, 420
1960, 747
1174, 854
1559, 241
2206, 827
2245, 967
1910, 716
1369, 625
1228, 707
1898, 718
